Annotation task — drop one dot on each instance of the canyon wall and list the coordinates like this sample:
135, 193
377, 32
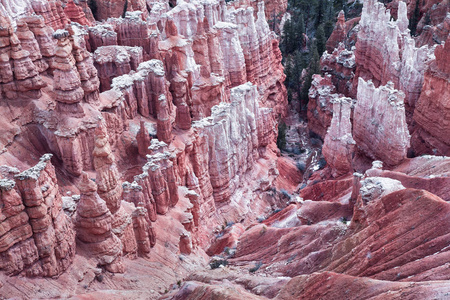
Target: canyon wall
159, 109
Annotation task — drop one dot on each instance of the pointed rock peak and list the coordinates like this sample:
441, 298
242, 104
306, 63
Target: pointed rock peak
101, 130
341, 16
87, 186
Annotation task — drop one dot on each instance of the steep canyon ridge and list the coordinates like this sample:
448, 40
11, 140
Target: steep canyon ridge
139, 157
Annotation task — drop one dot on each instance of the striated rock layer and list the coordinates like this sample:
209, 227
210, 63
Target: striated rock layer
93, 224
187, 101
386, 52
379, 126
36, 238
433, 107
320, 106
338, 146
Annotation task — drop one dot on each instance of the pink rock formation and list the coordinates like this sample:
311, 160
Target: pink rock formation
122, 227
107, 180
432, 111
262, 55
110, 8
339, 145
274, 9
384, 199
340, 64
93, 225
414, 173
37, 238
30, 44
114, 61
385, 52
159, 177
228, 239
75, 13
143, 139
212, 143
337, 285
20, 77
229, 154
235, 68
143, 230
44, 37
177, 57
430, 35
101, 35
52, 12
320, 108
15, 9
145, 90
134, 193
134, 31
85, 64
67, 87
87, 11
338, 35
379, 122
208, 90
185, 244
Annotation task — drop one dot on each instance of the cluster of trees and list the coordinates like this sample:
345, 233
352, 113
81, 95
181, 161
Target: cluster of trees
303, 41
304, 38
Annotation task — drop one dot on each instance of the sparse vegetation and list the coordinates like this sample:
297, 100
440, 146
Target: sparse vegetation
93, 6
285, 194
263, 230
216, 263
322, 163
301, 166
414, 19
281, 139
256, 267
125, 8
304, 38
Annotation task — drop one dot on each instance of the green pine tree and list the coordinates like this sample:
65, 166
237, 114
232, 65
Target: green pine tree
321, 40
414, 19
125, 7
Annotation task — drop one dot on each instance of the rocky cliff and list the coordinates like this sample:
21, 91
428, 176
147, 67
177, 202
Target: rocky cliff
184, 107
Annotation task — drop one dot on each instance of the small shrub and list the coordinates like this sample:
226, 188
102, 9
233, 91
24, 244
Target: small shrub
263, 230
276, 211
229, 251
93, 6
316, 142
229, 224
290, 259
281, 139
256, 267
301, 166
125, 8
216, 263
322, 163
286, 194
